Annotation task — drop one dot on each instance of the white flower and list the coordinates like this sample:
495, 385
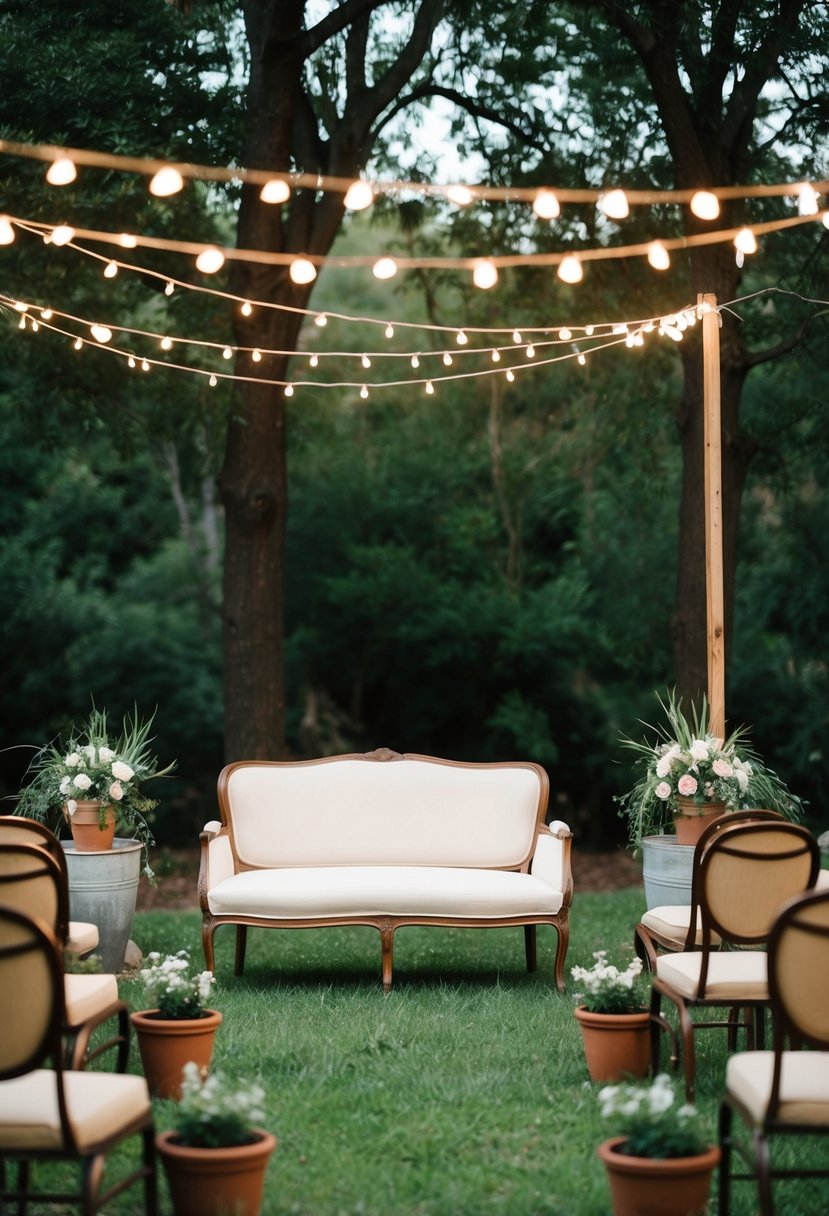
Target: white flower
106, 754
71, 806
699, 749
65, 783
116, 793
90, 752
122, 771
72, 760
722, 768
742, 780
81, 781
663, 767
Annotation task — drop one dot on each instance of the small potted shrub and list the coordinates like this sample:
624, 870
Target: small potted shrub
178, 1026
216, 1155
661, 1160
614, 1019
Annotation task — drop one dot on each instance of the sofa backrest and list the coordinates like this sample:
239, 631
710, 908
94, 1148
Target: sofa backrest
403, 810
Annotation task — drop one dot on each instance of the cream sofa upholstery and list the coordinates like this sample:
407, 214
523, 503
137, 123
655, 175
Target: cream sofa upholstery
384, 839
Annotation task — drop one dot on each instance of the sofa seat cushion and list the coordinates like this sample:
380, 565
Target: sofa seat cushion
398, 891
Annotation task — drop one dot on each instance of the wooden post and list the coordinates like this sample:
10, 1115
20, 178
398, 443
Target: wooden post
714, 599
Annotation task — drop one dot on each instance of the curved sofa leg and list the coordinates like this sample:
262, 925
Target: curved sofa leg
530, 949
241, 946
387, 943
207, 930
562, 927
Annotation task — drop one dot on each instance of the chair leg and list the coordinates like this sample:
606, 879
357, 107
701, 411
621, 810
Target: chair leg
726, 1115
241, 946
655, 1022
686, 1031
530, 949
762, 1167
387, 947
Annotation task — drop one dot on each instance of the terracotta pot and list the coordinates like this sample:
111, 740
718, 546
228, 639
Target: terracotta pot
644, 1186
167, 1044
616, 1045
85, 825
691, 819
216, 1181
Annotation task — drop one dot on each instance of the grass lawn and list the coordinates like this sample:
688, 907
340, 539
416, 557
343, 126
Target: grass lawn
462, 1093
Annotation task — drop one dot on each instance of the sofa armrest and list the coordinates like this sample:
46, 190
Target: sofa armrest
551, 859
216, 859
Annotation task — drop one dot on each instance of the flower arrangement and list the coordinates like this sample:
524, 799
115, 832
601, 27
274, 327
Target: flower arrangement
91, 766
173, 989
651, 1120
607, 989
215, 1113
688, 761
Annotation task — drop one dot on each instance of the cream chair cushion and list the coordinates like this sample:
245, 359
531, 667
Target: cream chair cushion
804, 1086
100, 1106
82, 937
672, 920
732, 974
87, 995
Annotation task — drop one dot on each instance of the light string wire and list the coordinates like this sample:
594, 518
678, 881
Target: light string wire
149, 167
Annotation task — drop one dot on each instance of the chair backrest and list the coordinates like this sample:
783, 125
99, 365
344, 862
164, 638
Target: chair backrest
745, 875
31, 881
31, 994
18, 829
799, 969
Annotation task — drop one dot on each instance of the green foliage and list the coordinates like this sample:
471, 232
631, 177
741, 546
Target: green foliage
654, 1121
214, 1112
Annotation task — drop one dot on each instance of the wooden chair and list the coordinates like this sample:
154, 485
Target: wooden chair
32, 882
79, 936
46, 1111
742, 878
668, 927
784, 1092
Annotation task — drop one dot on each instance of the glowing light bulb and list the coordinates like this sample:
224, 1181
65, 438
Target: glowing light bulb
364, 392
77, 344
22, 323
321, 320
461, 338
61, 235
246, 308
510, 375
314, 360
496, 356
389, 330
110, 270
807, 200
166, 343
366, 362
825, 221
658, 256
546, 205
61, 172
275, 191
530, 351
582, 360
516, 336
430, 388
289, 390
210, 260
145, 367
47, 314
564, 334
302, 271
227, 353
213, 380
484, 274
6, 231
384, 268
169, 288
101, 333
166, 182
614, 204
705, 205
744, 242
415, 361
131, 361
256, 356
570, 270
447, 359
588, 329
127, 241
461, 196
19, 306
358, 196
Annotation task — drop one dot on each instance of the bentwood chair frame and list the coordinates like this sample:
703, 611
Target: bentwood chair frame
784, 1092
46, 1111
742, 878
32, 881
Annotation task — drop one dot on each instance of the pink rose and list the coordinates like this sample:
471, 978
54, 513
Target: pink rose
663, 790
722, 768
687, 785
116, 792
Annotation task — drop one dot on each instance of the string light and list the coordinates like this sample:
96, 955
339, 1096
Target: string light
314, 360
461, 338
705, 205
530, 352
61, 172
461, 196
366, 362
496, 356
127, 241
430, 388
614, 204
165, 182
744, 242
227, 353
807, 200
302, 271
212, 381
546, 205
61, 235
384, 268
447, 359
516, 337
145, 367
246, 308
289, 390
564, 334
169, 288
210, 260
484, 273
358, 196
364, 392
415, 361
389, 331
6, 231
510, 375
110, 270
321, 320
166, 344
275, 191
570, 270
78, 344
658, 256
101, 333
256, 356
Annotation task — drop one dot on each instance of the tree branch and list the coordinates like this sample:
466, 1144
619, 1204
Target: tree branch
473, 108
756, 358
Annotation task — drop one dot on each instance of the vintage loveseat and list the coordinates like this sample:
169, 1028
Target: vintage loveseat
386, 840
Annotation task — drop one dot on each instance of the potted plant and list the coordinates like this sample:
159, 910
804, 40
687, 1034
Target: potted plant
216, 1155
94, 780
687, 775
661, 1160
178, 1026
614, 1019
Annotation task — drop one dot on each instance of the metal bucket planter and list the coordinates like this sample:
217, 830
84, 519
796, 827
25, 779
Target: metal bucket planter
103, 887
666, 870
